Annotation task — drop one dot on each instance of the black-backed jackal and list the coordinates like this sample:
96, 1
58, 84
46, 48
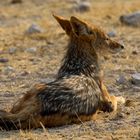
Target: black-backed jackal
78, 91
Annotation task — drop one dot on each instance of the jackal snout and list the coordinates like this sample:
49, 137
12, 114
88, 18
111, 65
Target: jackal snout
105, 44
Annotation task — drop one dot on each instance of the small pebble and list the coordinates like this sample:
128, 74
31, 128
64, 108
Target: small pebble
132, 19
111, 34
136, 88
31, 50
12, 50
8, 69
82, 6
3, 60
121, 79
34, 28
136, 79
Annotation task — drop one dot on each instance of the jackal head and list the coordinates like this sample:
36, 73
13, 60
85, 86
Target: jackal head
91, 34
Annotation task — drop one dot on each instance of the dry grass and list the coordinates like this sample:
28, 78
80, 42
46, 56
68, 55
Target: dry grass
45, 62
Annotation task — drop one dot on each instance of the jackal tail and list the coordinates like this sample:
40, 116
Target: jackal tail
22, 114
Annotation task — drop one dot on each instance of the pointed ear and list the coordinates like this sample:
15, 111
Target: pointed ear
78, 26
65, 24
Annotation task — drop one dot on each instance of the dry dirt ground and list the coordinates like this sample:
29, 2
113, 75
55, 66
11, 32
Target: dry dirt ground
29, 68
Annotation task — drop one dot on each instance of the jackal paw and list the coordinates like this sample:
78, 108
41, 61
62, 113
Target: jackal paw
116, 100
120, 99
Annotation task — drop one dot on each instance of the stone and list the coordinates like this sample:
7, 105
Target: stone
31, 50
83, 6
121, 79
111, 34
136, 88
12, 50
34, 28
8, 69
136, 79
4, 60
132, 19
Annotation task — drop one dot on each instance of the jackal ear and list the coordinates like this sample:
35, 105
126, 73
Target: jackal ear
78, 26
65, 24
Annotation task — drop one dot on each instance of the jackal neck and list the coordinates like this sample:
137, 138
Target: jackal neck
80, 59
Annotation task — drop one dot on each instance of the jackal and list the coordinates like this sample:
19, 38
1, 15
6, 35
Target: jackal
78, 91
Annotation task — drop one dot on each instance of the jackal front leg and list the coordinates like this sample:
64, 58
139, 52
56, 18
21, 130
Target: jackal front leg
111, 98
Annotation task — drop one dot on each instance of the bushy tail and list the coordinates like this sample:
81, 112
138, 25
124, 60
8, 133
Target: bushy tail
26, 118
25, 114
10, 121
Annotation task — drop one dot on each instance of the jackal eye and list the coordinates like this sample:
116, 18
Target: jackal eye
107, 39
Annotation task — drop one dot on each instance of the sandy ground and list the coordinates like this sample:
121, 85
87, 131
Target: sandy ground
24, 68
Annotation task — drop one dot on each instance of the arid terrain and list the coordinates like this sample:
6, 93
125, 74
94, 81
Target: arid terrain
27, 59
